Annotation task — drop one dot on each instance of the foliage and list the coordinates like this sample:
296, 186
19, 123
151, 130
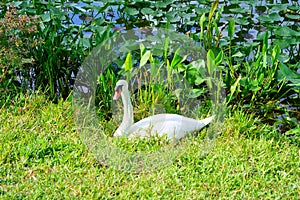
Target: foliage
16, 41
62, 45
257, 74
256, 46
104, 93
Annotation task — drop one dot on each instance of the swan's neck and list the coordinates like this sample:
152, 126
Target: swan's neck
128, 111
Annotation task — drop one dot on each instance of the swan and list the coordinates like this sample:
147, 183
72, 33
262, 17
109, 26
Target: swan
173, 125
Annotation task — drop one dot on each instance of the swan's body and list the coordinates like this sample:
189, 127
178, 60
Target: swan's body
172, 125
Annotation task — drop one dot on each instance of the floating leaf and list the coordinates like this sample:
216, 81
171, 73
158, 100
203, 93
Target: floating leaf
278, 6
295, 17
131, 11
242, 21
161, 4
270, 18
286, 32
294, 8
262, 35
239, 10
147, 11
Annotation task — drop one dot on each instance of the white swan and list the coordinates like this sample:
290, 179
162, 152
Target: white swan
173, 125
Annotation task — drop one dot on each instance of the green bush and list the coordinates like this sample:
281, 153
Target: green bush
16, 41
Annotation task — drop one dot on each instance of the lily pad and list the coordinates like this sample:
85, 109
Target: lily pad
242, 21
286, 32
270, 18
290, 16
239, 10
277, 6
131, 11
147, 11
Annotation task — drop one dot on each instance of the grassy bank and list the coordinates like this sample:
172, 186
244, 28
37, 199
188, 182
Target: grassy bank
42, 156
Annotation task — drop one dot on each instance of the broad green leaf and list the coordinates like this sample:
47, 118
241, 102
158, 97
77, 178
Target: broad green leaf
145, 58
278, 6
128, 63
294, 8
199, 80
219, 58
147, 11
239, 10
85, 42
287, 73
161, 4
142, 48
131, 11
197, 92
210, 62
242, 21
290, 16
46, 17
286, 32
177, 59
283, 42
273, 17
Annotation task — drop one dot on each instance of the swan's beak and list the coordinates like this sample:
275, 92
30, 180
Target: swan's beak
117, 94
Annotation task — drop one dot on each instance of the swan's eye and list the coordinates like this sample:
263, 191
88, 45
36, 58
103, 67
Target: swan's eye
119, 87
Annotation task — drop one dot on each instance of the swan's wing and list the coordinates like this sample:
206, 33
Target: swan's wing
154, 125
171, 124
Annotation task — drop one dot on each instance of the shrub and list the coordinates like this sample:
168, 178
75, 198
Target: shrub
17, 39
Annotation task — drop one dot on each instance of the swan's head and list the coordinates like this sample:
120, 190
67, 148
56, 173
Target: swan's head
121, 86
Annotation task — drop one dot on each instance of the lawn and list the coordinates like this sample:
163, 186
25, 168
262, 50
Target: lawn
43, 157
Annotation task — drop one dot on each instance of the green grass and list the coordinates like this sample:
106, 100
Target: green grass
42, 157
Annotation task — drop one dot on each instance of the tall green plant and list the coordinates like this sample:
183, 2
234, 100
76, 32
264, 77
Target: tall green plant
209, 33
256, 83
